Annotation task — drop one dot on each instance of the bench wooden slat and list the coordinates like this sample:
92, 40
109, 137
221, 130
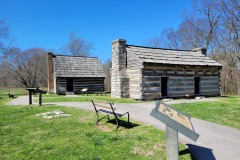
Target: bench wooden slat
104, 106
105, 111
99, 101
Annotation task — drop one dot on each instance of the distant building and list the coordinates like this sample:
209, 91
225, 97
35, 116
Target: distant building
148, 73
73, 73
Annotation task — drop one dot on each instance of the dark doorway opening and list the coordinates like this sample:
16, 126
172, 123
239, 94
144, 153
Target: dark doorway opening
197, 85
69, 85
164, 86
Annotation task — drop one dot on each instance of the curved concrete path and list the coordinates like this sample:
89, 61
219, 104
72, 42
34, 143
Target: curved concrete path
215, 141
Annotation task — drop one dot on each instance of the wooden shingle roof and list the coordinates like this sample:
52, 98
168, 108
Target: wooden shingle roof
168, 56
74, 66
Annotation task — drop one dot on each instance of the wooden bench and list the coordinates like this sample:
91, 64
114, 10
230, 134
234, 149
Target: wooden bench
10, 95
107, 109
101, 93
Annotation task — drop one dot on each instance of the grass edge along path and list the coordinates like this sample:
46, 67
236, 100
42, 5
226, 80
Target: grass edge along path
16, 91
26, 136
85, 98
225, 111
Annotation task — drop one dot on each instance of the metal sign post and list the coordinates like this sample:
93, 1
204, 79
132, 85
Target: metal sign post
175, 121
172, 143
35, 90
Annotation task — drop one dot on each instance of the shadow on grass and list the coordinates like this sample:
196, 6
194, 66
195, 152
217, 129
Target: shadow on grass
123, 123
184, 152
198, 152
49, 104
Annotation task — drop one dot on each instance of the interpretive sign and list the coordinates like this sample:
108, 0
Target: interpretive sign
35, 90
175, 121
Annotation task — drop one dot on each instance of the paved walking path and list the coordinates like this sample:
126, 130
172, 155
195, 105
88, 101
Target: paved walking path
215, 141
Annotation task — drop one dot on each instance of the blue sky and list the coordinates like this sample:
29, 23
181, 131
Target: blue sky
47, 23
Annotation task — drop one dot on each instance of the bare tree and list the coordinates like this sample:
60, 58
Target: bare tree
199, 28
28, 67
231, 23
107, 69
77, 46
4, 33
5, 40
5, 76
169, 38
202, 22
156, 41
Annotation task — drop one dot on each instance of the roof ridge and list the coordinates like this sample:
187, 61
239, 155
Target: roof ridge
72, 56
160, 48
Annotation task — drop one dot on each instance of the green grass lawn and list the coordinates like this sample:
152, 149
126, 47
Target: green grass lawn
26, 136
84, 98
226, 111
16, 91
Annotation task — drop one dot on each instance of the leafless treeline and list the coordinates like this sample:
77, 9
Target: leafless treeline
28, 68
23, 68
215, 25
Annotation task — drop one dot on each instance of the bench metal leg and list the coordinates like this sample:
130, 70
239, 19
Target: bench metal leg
117, 120
128, 119
108, 117
117, 124
99, 119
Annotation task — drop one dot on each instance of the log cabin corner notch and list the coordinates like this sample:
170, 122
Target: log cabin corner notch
73, 73
147, 73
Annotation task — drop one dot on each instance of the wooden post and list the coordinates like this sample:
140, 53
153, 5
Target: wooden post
30, 97
40, 99
172, 143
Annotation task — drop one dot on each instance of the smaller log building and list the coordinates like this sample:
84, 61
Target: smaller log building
146, 73
73, 73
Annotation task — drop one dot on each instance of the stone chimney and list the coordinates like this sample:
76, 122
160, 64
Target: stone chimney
50, 73
119, 80
201, 50
119, 54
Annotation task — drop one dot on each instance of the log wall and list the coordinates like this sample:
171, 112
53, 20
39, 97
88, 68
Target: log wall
61, 86
134, 73
209, 86
93, 85
135, 83
180, 81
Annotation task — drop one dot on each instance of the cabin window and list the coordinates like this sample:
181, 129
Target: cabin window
164, 86
69, 85
197, 85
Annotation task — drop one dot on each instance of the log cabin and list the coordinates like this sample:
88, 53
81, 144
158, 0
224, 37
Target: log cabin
71, 74
146, 73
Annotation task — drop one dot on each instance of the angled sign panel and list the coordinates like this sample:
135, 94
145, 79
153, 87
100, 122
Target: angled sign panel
175, 119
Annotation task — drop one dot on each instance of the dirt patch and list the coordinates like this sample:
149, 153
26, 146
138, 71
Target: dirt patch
85, 118
104, 128
142, 152
159, 147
